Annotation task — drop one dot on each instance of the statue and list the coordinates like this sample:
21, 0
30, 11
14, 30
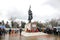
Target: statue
30, 15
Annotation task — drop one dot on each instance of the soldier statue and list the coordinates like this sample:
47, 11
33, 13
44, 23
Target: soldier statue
30, 15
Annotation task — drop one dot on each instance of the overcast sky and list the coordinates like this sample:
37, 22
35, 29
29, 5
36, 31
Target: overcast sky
42, 10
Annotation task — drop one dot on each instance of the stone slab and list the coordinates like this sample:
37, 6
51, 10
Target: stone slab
33, 33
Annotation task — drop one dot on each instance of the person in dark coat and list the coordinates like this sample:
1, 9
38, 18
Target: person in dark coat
0, 31
4, 31
20, 31
9, 31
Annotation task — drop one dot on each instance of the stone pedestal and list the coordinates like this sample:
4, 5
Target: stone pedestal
31, 27
28, 27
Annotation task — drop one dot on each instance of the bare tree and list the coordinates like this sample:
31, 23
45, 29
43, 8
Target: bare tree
53, 22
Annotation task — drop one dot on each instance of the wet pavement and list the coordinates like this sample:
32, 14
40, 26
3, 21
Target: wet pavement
18, 37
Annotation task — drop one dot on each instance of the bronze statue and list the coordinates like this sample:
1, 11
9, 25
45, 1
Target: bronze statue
30, 15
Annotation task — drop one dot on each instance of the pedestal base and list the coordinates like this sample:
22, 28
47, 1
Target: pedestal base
33, 33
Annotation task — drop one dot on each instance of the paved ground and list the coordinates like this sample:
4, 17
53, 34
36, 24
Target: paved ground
18, 37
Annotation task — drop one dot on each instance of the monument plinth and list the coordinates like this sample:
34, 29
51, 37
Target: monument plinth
31, 27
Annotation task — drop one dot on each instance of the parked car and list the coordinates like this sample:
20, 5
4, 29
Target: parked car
48, 30
56, 30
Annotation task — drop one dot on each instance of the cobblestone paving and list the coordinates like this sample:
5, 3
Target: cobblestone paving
18, 37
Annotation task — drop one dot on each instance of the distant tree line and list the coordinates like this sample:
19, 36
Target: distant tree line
53, 23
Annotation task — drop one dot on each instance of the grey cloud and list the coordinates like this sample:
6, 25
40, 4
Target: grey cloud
56, 5
53, 3
24, 14
18, 14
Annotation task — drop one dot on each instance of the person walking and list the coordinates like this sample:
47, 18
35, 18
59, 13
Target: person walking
9, 31
20, 31
0, 31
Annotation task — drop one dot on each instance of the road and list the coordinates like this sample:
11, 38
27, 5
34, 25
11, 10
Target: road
16, 36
